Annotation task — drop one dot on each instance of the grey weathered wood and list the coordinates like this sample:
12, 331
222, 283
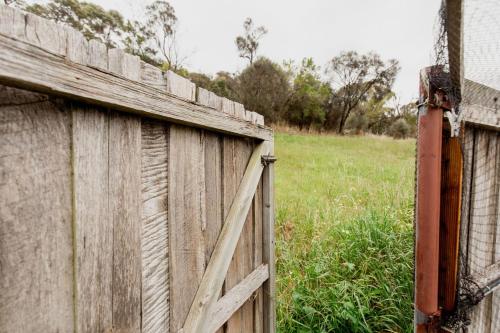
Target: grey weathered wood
30, 67
44, 33
97, 55
186, 201
180, 86
12, 22
153, 76
237, 152
213, 278
483, 218
268, 256
93, 223
227, 106
257, 248
208, 98
213, 193
237, 296
124, 64
239, 110
125, 210
36, 246
155, 289
77, 49
260, 119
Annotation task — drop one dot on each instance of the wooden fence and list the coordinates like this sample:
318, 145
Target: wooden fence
131, 201
480, 211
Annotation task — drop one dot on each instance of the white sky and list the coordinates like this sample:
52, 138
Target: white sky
401, 29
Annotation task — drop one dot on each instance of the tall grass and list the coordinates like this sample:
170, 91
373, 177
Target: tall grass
344, 233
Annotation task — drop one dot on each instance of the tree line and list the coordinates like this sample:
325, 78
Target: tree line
352, 93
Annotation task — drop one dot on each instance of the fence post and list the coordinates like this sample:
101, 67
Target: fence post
430, 126
268, 258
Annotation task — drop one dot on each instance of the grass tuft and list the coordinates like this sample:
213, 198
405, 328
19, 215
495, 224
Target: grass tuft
344, 230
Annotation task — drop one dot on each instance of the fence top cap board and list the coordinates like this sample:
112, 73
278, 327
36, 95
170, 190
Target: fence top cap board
41, 55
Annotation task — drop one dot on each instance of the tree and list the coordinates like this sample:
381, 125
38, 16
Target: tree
91, 19
264, 87
352, 76
306, 107
249, 43
15, 3
399, 129
162, 21
137, 39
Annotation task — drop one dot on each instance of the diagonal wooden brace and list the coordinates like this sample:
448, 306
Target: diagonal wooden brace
211, 284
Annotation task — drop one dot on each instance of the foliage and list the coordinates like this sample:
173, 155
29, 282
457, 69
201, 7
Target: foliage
306, 106
91, 19
344, 233
161, 20
248, 43
352, 77
264, 87
399, 129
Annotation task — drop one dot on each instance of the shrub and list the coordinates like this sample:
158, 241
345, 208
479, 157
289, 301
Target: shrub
399, 129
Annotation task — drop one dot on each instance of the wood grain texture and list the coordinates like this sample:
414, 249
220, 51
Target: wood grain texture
155, 289
268, 245
186, 206
36, 246
27, 66
220, 261
237, 153
44, 33
77, 48
125, 210
153, 76
257, 256
97, 55
237, 296
93, 223
208, 98
483, 218
12, 22
180, 86
213, 193
451, 197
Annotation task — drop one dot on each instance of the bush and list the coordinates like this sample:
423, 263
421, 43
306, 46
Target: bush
399, 129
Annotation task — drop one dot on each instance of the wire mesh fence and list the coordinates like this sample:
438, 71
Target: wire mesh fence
467, 49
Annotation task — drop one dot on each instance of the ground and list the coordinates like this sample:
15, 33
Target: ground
344, 230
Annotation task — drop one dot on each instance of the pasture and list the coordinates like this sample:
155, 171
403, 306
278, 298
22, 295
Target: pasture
344, 233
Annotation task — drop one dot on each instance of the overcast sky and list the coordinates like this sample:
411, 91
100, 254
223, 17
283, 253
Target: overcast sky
401, 29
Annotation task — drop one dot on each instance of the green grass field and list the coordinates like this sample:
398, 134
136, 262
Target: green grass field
344, 211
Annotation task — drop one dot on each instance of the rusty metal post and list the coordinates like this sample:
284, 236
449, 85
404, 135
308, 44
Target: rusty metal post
430, 127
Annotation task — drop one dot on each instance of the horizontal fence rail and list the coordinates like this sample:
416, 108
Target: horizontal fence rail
132, 200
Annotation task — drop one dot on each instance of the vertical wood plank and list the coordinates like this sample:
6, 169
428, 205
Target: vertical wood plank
125, 210
93, 224
495, 297
36, 246
186, 206
258, 244
451, 197
237, 153
483, 219
213, 188
98, 55
268, 247
213, 196
155, 292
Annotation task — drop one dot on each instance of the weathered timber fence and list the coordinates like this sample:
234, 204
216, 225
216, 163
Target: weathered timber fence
457, 276
130, 200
